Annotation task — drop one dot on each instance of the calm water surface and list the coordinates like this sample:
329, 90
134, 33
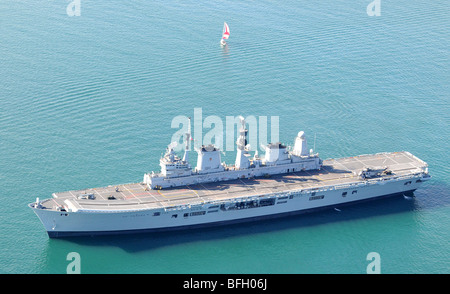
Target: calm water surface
88, 101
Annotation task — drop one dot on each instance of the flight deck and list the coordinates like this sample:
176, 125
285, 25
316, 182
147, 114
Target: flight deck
138, 196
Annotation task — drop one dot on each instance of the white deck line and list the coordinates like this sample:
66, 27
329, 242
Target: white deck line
247, 186
131, 193
343, 165
209, 191
198, 196
392, 158
150, 194
95, 191
360, 161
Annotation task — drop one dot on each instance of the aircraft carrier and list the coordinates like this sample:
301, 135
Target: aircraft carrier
282, 182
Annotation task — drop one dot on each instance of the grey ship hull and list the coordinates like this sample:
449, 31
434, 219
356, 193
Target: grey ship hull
67, 234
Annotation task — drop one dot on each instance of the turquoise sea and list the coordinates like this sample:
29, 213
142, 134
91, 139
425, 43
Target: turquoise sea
88, 101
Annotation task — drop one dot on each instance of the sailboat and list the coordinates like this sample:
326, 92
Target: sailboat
225, 34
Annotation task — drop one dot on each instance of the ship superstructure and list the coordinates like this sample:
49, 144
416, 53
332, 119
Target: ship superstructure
177, 172
281, 182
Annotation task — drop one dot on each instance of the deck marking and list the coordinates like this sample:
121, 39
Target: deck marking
345, 167
55, 202
360, 162
123, 194
246, 186
95, 191
167, 199
176, 195
211, 192
392, 158
198, 196
315, 176
132, 194
149, 193
156, 199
